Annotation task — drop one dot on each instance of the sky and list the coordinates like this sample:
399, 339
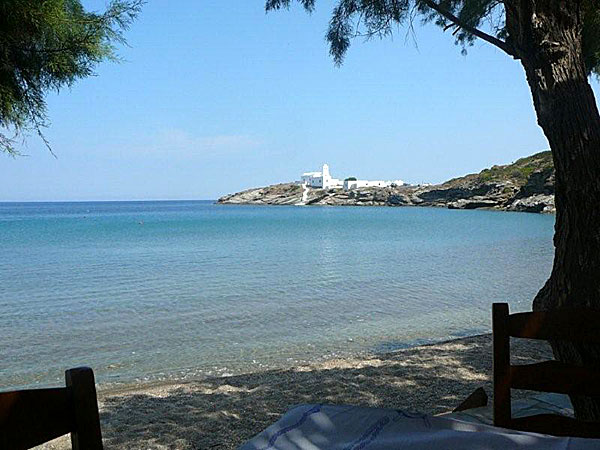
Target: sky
214, 97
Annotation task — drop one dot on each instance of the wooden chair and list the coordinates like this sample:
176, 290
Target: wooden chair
548, 376
34, 416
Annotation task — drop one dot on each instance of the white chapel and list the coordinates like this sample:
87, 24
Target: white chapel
321, 179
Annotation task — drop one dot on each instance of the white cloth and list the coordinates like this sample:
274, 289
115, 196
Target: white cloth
334, 427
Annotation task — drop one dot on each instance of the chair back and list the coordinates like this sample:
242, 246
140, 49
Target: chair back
34, 416
574, 325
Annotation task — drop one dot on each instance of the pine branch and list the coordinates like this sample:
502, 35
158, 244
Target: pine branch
502, 45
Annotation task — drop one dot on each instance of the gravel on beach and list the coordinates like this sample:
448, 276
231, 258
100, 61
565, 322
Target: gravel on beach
222, 413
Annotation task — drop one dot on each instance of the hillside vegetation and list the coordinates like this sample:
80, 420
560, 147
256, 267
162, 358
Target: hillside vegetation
520, 170
516, 173
525, 185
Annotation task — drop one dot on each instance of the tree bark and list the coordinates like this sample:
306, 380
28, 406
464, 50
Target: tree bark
547, 36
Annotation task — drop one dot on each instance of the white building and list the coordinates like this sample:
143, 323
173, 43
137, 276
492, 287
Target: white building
320, 179
357, 184
323, 180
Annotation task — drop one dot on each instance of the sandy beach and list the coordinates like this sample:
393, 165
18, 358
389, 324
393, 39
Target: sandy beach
222, 413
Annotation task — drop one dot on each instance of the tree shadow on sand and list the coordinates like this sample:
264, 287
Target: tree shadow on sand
222, 413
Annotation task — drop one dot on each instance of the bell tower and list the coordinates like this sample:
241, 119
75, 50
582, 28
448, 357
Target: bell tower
326, 176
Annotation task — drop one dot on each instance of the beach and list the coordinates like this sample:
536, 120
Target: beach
223, 412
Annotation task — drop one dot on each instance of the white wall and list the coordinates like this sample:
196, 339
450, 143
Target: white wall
357, 184
332, 183
312, 181
324, 180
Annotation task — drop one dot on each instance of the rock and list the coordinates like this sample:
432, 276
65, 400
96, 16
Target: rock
472, 203
537, 204
278, 194
398, 200
526, 185
539, 182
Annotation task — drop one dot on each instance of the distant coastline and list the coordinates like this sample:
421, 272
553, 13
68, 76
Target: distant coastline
527, 185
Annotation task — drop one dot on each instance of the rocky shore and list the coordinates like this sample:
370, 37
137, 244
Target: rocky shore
526, 185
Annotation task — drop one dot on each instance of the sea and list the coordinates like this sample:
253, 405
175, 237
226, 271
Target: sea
174, 290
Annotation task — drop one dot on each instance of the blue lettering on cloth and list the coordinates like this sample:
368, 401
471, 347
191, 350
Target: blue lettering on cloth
278, 434
369, 435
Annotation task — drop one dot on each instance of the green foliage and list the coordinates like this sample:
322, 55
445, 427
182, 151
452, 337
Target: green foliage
467, 19
350, 179
47, 45
378, 18
519, 171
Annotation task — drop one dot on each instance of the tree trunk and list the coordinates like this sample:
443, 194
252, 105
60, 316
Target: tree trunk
547, 36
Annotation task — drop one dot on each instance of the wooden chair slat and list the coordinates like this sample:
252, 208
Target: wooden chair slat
32, 417
554, 376
556, 425
564, 324
549, 376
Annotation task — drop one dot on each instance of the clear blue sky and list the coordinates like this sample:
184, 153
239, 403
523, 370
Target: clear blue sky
217, 96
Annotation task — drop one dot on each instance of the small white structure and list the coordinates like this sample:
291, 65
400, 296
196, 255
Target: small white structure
357, 184
322, 179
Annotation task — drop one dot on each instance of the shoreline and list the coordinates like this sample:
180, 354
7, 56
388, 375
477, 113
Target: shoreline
487, 197
527, 185
224, 412
361, 205
105, 389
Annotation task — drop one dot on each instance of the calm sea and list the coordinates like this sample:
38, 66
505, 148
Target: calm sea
171, 290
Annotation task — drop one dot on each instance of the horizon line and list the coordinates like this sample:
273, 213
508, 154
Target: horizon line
109, 201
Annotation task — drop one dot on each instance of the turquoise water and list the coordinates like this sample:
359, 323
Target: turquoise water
160, 290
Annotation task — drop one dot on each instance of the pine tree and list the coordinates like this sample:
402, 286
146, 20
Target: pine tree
48, 45
558, 44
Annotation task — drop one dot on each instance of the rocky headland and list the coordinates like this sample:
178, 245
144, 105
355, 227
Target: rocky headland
526, 185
